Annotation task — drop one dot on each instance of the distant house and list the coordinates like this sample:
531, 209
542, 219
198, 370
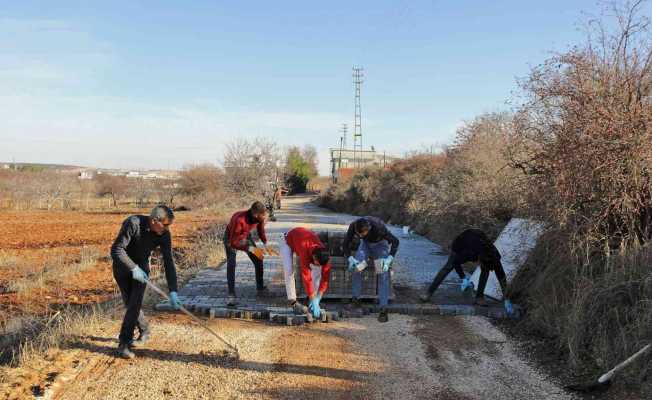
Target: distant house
344, 162
83, 175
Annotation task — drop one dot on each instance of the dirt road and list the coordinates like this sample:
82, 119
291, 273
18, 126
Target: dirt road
427, 357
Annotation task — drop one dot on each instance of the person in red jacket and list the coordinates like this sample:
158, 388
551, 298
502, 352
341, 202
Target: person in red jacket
310, 250
237, 236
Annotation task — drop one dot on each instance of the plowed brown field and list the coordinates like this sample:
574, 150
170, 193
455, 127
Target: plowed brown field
32, 242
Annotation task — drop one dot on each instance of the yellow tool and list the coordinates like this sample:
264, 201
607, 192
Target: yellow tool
272, 252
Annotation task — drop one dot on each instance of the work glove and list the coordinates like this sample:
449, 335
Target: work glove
139, 275
314, 307
509, 308
387, 262
352, 263
174, 301
258, 252
466, 284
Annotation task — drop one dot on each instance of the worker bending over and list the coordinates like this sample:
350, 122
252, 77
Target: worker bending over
237, 236
138, 236
376, 247
310, 250
472, 245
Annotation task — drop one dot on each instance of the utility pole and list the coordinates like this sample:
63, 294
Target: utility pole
343, 131
357, 125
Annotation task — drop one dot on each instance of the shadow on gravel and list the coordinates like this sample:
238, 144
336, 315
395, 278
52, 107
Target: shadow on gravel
220, 361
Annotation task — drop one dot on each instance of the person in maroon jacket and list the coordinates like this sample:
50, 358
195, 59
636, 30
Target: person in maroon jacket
310, 250
237, 236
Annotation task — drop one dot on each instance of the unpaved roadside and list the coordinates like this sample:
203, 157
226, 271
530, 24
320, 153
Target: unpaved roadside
428, 357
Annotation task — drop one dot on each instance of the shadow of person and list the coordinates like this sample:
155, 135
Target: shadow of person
222, 360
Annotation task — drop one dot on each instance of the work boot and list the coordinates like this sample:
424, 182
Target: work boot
298, 308
142, 339
231, 301
425, 297
382, 315
124, 352
353, 305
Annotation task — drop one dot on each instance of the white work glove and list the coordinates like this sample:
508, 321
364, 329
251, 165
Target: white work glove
352, 263
387, 262
139, 275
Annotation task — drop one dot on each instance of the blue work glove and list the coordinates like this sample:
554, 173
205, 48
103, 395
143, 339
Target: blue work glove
314, 306
387, 262
139, 275
174, 301
353, 263
466, 283
509, 308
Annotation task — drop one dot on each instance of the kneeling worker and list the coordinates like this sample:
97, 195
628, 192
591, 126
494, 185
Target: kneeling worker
139, 235
310, 250
379, 246
472, 245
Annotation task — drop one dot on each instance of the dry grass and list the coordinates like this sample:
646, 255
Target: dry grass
54, 273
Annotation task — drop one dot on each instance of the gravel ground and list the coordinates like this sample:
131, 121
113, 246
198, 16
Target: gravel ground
447, 358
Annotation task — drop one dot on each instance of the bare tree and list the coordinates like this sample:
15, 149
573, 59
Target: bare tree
114, 186
250, 164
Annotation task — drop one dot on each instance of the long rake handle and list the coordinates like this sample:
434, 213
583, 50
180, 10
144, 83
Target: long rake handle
607, 377
191, 315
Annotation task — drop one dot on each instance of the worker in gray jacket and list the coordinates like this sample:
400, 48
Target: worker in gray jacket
131, 250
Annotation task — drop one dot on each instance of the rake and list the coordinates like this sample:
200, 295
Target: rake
201, 323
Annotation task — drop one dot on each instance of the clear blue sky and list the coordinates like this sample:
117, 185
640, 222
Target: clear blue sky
156, 84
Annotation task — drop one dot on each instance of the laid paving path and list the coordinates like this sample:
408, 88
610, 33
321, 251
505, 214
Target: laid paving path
417, 262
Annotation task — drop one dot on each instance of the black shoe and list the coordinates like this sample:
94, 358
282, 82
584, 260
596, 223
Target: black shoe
142, 339
264, 292
382, 315
353, 305
125, 352
425, 297
231, 301
298, 308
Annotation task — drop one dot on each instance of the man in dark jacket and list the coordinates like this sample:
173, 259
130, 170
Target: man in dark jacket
472, 245
237, 236
377, 247
139, 235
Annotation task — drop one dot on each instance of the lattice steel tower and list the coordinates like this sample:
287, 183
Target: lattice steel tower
357, 124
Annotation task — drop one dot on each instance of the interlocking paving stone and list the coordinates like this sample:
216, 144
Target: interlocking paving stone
206, 293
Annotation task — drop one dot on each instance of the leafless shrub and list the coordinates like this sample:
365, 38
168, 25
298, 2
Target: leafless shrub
469, 184
584, 135
202, 185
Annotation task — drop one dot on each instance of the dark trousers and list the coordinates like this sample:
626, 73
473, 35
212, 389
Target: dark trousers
132, 293
484, 276
230, 267
455, 261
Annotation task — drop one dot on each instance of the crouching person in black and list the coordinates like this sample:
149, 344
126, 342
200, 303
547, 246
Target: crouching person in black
472, 245
139, 235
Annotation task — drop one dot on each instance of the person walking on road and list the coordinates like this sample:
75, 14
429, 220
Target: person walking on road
131, 250
472, 245
310, 250
376, 247
237, 236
